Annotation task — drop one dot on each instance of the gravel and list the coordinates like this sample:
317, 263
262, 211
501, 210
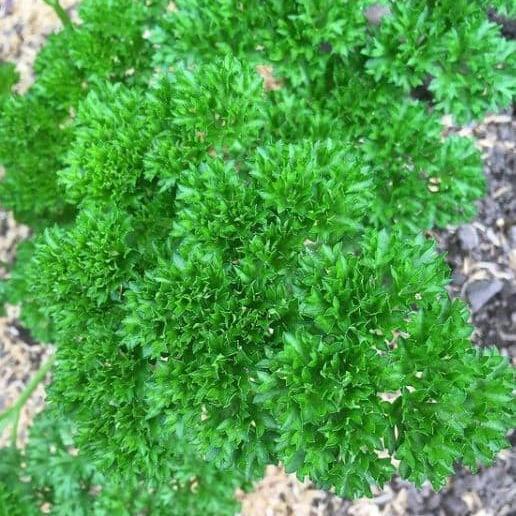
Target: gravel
468, 237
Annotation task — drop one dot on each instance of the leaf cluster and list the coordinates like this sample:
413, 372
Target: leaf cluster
51, 473
36, 128
234, 274
448, 47
261, 319
8, 78
356, 72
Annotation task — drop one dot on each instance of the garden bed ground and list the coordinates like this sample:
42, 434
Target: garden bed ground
483, 259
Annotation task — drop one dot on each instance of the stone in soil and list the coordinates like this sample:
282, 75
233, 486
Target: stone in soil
468, 237
482, 291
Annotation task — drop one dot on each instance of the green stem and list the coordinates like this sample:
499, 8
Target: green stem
61, 13
25, 395
14, 429
35, 381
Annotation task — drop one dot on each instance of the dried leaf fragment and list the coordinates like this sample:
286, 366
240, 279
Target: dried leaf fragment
270, 82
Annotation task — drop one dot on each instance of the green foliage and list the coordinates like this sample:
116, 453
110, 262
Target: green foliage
15, 494
51, 472
215, 112
17, 290
292, 35
449, 46
259, 320
8, 78
342, 61
376, 325
31, 159
233, 276
36, 128
348, 75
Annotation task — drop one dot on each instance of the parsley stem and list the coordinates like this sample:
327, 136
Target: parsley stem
16, 409
14, 429
61, 13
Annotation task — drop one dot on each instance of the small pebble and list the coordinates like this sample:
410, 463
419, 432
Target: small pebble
468, 237
512, 236
458, 278
480, 292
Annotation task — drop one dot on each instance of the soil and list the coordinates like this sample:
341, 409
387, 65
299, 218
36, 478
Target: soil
482, 256
508, 25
